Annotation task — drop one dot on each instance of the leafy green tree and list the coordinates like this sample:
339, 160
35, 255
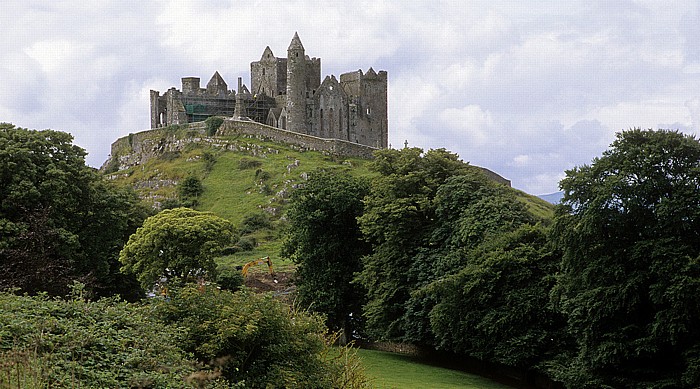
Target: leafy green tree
189, 190
255, 339
628, 228
59, 220
176, 243
399, 221
325, 242
496, 308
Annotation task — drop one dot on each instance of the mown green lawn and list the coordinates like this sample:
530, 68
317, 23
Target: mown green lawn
390, 370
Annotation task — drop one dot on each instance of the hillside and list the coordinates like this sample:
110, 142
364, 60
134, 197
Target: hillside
245, 179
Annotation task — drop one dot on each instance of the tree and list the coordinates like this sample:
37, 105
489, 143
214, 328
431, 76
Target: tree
189, 190
496, 308
399, 221
59, 219
629, 230
324, 240
178, 242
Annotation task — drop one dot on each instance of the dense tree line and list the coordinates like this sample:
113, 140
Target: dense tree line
59, 219
603, 294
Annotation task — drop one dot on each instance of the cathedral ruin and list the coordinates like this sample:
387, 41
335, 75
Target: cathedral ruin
287, 93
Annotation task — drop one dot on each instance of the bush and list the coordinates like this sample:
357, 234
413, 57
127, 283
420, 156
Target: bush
261, 341
189, 190
213, 123
262, 175
209, 161
230, 279
246, 243
80, 343
247, 163
254, 222
170, 204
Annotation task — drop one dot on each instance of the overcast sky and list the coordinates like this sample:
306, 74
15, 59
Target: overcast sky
525, 88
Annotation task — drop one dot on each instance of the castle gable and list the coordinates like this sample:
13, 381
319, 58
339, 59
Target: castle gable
217, 86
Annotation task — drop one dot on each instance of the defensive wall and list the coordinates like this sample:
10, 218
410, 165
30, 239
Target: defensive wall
232, 127
137, 149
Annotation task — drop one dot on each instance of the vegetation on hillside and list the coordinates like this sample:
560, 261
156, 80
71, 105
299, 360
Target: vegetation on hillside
414, 246
59, 219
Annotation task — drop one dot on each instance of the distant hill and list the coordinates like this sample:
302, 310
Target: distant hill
553, 198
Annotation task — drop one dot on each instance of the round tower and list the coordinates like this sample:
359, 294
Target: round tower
296, 86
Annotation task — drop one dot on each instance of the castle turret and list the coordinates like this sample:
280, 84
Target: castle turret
190, 85
296, 86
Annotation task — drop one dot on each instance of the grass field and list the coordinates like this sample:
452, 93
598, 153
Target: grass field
389, 370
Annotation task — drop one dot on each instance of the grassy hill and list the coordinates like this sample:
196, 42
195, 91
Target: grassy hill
248, 182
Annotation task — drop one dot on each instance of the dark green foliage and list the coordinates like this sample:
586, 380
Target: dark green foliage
176, 243
59, 220
213, 123
631, 270
246, 243
260, 340
247, 163
496, 308
96, 344
254, 222
230, 279
325, 242
398, 220
262, 175
170, 204
209, 161
189, 190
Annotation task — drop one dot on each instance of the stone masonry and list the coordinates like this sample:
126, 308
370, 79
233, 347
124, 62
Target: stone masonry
287, 93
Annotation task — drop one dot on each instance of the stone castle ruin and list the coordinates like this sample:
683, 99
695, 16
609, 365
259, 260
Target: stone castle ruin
287, 93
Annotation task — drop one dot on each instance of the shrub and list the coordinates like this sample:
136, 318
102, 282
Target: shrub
189, 190
261, 340
170, 204
254, 222
262, 175
230, 279
246, 243
213, 123
80, 343
247, 163
209, 161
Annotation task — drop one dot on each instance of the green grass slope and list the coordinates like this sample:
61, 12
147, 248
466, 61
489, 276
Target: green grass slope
388, 370
250, 178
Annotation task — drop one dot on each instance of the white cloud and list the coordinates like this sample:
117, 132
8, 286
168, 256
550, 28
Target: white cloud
527, 89
470, 122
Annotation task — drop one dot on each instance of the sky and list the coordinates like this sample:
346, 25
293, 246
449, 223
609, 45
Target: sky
528, 89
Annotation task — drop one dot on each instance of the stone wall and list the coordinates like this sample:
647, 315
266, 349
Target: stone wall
136, 149
306, 142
